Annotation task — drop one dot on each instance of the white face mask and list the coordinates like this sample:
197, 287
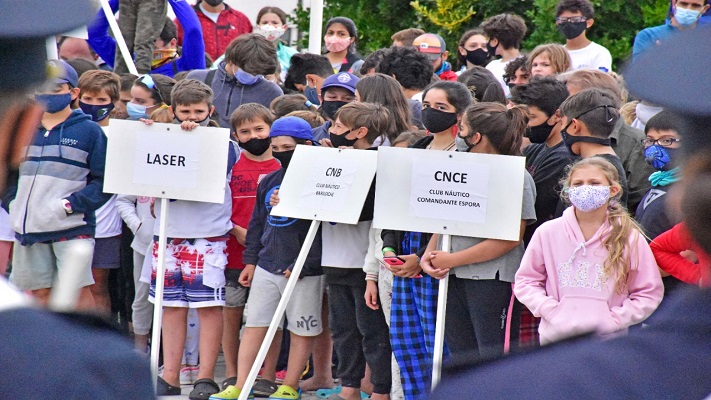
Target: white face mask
587, 198
270, 32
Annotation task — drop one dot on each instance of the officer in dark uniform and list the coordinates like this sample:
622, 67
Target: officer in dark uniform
671, 358
45, 355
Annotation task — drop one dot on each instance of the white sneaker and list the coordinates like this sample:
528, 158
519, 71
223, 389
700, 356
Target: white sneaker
188, 375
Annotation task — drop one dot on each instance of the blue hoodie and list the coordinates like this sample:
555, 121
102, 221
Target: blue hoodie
66, 162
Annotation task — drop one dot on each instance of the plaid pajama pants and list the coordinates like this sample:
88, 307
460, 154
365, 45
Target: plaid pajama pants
412, 331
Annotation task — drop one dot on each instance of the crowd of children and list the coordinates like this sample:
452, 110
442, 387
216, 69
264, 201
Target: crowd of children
600, 246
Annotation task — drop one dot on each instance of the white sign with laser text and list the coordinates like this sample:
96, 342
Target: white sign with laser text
162, 160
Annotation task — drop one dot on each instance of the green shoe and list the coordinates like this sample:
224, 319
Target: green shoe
285, 392
231, 393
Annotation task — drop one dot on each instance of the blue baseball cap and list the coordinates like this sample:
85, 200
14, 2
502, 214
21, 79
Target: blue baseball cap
291, 126
343, 80
24, 29
62, 72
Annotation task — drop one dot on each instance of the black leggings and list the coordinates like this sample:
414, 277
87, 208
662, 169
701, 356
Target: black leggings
359, 335
476, 316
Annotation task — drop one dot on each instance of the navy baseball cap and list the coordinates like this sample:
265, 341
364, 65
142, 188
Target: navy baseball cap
291, 126
24, 29
343, 80
62, 72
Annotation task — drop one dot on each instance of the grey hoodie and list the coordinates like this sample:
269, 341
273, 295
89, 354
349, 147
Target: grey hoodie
230, 94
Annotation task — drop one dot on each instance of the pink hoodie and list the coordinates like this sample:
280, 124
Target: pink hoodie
561, 280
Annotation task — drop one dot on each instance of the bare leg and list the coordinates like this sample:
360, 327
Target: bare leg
272, 358
86, 300
365, 384
42, 296
299, 352
5, 250
230, 338
323, 349
100, 291
210, 335
249, 347
174, 327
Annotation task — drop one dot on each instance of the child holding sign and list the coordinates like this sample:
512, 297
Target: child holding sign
591, 269
271, 248
482, 270
414, 297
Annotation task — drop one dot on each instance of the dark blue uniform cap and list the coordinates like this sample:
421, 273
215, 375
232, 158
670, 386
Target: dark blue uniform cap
24, 29
675, 74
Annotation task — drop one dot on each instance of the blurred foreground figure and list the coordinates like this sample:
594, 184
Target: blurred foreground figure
671, 358
48, 355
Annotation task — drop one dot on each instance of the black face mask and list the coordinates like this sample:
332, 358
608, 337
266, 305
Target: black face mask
341, 140
570, 140
330, 107
571, 30
256, 146
213, 3
284, 157
491, 49
539, 133
437, 121
477, 57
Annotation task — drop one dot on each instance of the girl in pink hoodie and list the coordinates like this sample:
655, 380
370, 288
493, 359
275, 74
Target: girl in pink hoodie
591, 269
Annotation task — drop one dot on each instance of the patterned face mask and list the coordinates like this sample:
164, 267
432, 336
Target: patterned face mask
587, 198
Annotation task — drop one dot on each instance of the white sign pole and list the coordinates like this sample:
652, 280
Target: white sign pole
315, 28
290, 285
439, 327
119, 37
160, 283
52, 52
66, 289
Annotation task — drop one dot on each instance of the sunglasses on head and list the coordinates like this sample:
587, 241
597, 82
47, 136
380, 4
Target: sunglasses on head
147, 80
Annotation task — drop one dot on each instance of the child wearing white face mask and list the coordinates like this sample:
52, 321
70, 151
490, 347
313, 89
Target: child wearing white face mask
591, 269
272, 24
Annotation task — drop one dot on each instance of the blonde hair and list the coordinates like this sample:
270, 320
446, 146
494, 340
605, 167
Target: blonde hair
620, 255
162, 114
557, 55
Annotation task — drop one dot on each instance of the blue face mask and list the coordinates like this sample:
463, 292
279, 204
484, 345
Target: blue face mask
312, 95
54, 103
686, 17
246, 78
97, 112
136, 111
659, 157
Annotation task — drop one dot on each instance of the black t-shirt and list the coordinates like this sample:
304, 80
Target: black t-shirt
547, 167
614, 160
652, 213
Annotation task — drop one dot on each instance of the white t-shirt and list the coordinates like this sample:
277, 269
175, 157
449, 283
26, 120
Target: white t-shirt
108, 220
212, 16
592, 56
498, 68
344, 246
6, 232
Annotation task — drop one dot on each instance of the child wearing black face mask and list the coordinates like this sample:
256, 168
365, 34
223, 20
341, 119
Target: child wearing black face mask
337, 90
588, 119
573, 18
250, 126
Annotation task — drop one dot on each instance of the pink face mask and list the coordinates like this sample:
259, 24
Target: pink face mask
335, 44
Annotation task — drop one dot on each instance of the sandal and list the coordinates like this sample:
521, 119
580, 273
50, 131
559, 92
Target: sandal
166, 389
264, 388
229, 381
326, 393
203, 388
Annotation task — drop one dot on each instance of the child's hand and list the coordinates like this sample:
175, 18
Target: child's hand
153, 208
442, 260
188, 125
325, 143
274, 199
246, 276
410, 269
430, 270
287, 274
147, 121
239, 233
371, 295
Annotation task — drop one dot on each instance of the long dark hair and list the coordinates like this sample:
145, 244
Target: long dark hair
384, 90
350, 27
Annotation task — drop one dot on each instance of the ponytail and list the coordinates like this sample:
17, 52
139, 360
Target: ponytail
503, 127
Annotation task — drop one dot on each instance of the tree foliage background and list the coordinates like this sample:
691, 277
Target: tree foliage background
616, 21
